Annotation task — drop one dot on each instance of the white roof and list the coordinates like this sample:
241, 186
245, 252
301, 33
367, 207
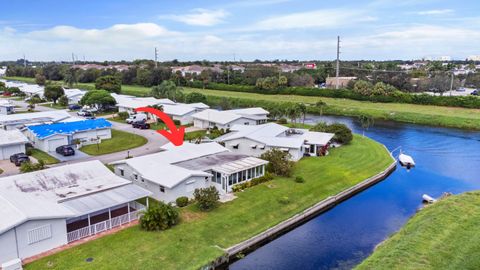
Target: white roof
197, 105
14, 136
137, 102
6, 103
60, 192
159, 168
70, 93
220, 117
32, 89
177, 109
32, 118
250, 111
276, 135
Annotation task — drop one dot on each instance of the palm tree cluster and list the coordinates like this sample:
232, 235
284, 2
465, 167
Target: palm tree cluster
293, 111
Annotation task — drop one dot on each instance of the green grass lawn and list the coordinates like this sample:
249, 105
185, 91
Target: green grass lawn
445, 235
410, 113
120, 141
40, 155
53, 106
199, 237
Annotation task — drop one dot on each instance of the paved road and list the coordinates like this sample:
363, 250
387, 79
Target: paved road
155, 140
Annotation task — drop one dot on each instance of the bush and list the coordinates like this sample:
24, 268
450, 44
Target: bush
279, 162
159, 217
342, 133
177, 122
109, 83
122, 115
63, 101
256, 181
284, 200
282, 121
207, 198
31, 167
299, 179
181, 201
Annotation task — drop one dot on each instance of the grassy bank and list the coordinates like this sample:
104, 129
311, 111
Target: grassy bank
40, 155
442, 236
120, 141
408, 113
199, 237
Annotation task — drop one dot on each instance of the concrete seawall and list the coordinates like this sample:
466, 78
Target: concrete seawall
296, 220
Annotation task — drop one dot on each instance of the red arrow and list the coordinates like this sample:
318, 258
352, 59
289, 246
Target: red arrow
174, 134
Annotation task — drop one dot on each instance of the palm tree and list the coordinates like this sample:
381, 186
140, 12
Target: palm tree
302, 109
320, 104
366, 122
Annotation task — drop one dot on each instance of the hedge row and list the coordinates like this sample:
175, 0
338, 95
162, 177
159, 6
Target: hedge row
396, 97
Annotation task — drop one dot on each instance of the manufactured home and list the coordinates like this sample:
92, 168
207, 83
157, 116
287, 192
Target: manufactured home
226, 119
11, 142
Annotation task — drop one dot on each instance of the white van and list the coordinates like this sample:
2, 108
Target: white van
136, 118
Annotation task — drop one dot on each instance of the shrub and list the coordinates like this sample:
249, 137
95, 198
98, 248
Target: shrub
284, 200
282, 121
256, 181
181, 201
31, 167
122, 115
159, 217
299, 179
63, 101
177, 122
342, 133
279, 162
109, 83
207, 198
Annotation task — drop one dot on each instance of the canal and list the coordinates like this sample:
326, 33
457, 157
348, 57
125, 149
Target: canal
448, 160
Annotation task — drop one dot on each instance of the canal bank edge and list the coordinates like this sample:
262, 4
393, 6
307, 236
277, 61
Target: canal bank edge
237, 251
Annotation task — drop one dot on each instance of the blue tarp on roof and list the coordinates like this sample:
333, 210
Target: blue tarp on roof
44, 131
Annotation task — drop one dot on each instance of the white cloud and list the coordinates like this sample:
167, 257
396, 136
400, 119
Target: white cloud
435, 12
324, 18
199, 17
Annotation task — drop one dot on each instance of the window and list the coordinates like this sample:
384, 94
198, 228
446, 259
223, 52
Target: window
230, 180
38, 234
122, 172
135, 176
162, 189
244, 175
235, 178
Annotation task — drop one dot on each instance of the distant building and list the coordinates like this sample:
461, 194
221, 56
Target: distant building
195, 69
101, 67
342, 81
225, 119
474, 58
310, 65
6, 107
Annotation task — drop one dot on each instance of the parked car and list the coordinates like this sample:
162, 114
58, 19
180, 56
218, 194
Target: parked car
474, 92
85, 113
74, 107
65, 150
90, 117
141, 125
19, 158
136, 118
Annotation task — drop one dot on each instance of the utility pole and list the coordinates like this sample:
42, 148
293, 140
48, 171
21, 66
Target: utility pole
24, 61
338, 63
73, 58
451, 83
156, 57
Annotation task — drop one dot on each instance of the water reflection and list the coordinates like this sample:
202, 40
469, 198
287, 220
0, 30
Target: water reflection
447, 161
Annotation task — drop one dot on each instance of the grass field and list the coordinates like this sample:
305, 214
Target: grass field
40, 155
199, 237
445, 235
120, 141
409, 113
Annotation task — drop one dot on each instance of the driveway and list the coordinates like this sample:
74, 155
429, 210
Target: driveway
79, 155
10, 168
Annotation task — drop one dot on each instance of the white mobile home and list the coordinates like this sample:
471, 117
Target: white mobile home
21, 120
6, 107
226, 119
74, 95
46, 209
256, 140
48, 137
180, 170
11, 142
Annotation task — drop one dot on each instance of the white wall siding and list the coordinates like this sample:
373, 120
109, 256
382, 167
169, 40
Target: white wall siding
89, 137
8, 246
8, 150
245, 148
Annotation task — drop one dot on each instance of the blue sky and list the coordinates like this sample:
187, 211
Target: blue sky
248, 29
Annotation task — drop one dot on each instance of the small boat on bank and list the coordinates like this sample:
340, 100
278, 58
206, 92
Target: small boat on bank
406, 160
426, 198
